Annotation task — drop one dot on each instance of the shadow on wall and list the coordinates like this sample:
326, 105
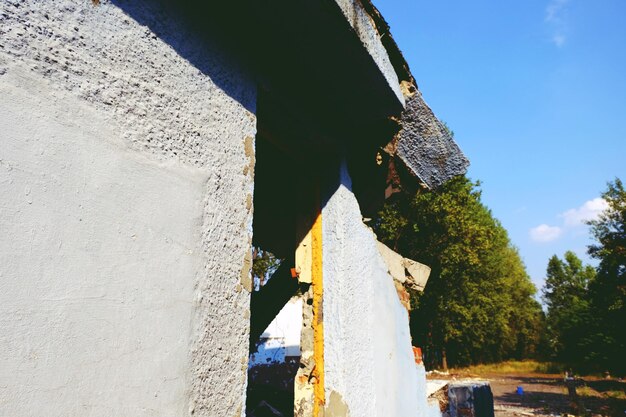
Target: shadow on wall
188, 29
218, 40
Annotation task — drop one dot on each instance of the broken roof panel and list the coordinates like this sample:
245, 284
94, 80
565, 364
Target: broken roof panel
423, 144
426, 146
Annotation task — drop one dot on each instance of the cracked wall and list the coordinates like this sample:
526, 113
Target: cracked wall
127, 162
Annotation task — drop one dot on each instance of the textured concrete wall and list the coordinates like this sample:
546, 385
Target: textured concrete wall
368, 357
126, 163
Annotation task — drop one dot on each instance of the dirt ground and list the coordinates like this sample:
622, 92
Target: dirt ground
547, 395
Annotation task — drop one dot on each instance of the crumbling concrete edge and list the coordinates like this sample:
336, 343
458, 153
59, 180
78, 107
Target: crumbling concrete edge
407, 274
404, 270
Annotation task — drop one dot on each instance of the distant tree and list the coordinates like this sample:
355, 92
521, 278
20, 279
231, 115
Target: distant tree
608, 291
565, 294
526, 325
264, 264
478, 304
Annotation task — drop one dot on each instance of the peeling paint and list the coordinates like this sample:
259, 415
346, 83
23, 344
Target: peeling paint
246, 278
336, 406
250, 154
249, 146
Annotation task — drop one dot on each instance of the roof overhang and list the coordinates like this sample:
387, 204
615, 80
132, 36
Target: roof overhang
332, 79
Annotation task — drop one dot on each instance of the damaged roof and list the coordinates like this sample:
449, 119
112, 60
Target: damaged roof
331, 70
423, 144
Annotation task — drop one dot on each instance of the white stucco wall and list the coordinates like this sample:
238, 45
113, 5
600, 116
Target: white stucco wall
95, 310
126, 170
367, 350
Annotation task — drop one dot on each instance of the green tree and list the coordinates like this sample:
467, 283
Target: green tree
608, 291
565, 294
264, 264
478, 304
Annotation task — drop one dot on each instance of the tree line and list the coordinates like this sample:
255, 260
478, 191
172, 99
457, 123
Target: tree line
479, 304
586, 306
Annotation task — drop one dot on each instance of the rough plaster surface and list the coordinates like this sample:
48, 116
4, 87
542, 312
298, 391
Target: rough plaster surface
366, 30
128, 74
368, 356
99, 250
426, 147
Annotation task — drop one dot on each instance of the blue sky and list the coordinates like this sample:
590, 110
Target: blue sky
535, 92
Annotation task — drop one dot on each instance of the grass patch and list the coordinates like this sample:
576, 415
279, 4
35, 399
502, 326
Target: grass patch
512, 367
587, 392
618, 395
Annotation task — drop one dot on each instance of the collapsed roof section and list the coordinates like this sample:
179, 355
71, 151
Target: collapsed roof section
426, 146
423, 144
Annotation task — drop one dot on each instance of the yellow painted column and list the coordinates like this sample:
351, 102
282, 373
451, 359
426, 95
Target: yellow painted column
318, 314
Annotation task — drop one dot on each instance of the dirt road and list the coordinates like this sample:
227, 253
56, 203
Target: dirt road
542, 395
547, 395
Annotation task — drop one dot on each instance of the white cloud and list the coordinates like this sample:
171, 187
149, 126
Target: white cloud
545, 233
554, 9
558, 39
588, 211
554, 17
572, 220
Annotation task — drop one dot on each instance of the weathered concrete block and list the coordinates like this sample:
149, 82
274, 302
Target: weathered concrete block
470, 399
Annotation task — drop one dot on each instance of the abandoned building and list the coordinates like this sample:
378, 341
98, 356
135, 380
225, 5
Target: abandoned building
146, 147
